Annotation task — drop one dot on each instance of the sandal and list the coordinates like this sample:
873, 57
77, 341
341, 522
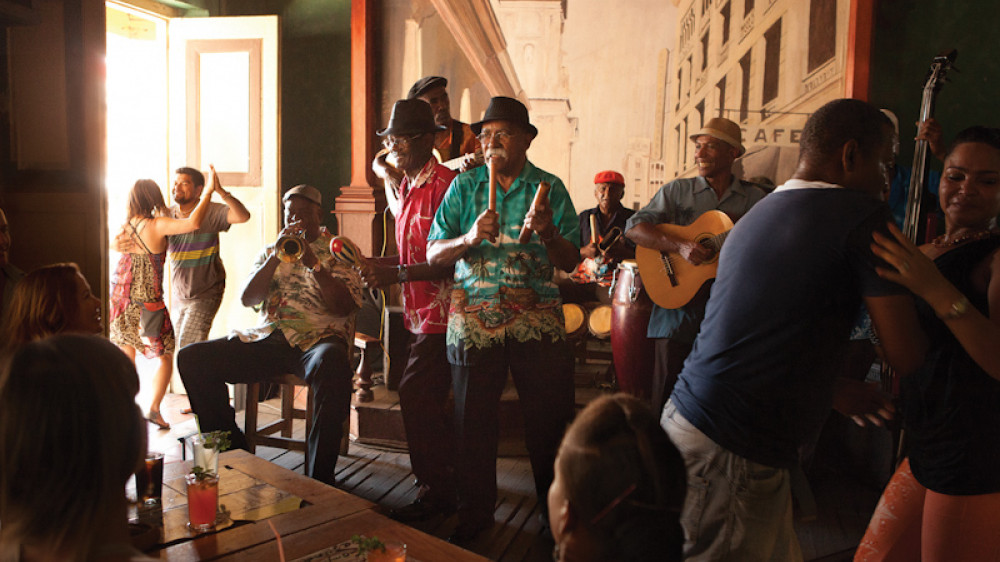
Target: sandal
157, 419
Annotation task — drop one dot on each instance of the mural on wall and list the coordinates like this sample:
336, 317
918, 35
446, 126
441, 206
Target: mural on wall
765, 64
623, 89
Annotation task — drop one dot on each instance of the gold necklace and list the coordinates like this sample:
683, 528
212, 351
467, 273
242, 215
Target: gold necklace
942, 242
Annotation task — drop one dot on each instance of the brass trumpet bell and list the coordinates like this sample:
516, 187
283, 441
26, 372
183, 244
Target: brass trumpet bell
290, 248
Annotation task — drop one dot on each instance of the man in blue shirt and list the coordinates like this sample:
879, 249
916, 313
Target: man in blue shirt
762, 376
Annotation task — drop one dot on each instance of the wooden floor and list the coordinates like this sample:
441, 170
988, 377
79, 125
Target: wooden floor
845, 498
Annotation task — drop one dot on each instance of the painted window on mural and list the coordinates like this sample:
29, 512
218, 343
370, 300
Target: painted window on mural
772, 55
745, 93
725, 23
822, 32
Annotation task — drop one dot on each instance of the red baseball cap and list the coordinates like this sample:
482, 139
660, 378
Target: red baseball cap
609, 176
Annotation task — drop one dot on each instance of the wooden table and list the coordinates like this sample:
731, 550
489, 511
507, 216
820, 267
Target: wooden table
257, 493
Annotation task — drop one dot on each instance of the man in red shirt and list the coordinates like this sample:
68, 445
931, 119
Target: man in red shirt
426, 382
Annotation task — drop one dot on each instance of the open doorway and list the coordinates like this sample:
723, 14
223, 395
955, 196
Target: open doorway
136, 105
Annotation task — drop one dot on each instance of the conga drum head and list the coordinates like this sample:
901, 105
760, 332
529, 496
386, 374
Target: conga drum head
574, 315
599, 321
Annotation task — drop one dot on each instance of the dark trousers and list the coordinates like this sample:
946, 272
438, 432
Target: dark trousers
668, 362
423, 398
543, 375
206, 367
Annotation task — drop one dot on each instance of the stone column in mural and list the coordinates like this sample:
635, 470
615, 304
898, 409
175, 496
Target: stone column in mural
533, 31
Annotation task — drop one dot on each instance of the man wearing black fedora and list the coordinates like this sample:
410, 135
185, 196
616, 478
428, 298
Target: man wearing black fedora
426, 381
506, 314
455, 138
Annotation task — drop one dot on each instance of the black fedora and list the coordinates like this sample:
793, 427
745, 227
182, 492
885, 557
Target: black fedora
410, 117
505, 109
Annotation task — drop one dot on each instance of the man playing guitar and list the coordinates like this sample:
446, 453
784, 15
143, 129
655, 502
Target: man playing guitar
717, 145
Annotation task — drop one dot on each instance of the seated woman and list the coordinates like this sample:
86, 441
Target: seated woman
51, 300
943, 500
619, 486
70, 437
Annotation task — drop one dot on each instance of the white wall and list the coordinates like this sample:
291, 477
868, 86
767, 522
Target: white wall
611, 52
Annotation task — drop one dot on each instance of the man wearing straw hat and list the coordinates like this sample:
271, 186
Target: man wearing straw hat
716, 146
506, 314
426, 381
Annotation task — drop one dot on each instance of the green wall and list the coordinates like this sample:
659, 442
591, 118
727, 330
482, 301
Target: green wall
315, 90
907, 37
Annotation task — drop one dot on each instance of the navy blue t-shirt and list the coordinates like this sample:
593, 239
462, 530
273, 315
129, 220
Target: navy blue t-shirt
791, 277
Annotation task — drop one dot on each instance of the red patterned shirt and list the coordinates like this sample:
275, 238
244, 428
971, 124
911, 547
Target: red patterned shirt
425, 302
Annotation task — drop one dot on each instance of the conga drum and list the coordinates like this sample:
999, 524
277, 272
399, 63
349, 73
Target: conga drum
575, 317
633, 351
599, 321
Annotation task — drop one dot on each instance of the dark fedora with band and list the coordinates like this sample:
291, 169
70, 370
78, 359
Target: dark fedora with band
505, 109
411, 117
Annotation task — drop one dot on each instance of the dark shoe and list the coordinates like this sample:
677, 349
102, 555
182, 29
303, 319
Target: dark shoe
420, 510
465, 533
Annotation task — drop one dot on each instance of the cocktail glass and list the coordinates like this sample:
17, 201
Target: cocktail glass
206, 458
203, 500
394, 552
149, 480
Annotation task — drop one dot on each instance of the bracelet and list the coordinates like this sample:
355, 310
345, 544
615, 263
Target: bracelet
958, 309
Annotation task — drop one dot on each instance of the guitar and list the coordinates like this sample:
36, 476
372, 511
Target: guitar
671, 280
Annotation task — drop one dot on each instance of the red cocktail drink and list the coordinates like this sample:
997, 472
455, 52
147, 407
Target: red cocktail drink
203, 500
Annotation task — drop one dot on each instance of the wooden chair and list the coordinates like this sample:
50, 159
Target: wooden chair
289, 413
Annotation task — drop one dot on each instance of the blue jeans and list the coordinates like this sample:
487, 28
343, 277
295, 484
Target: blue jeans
735, 509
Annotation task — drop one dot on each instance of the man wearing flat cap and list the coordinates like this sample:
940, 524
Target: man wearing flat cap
426, 381
455, 139
307, 309
716, 146
506, 314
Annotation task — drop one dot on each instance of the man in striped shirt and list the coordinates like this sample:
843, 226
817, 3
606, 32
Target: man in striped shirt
199, 278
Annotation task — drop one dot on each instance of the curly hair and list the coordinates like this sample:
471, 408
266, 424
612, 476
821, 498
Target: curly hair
43, 303
624, 479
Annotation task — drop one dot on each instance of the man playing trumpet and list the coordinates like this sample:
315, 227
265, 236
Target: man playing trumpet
506, 313
307, 302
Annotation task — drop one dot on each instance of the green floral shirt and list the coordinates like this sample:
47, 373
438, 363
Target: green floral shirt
295, 305
503, 290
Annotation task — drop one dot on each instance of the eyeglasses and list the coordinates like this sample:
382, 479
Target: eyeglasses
501, 136
401, 142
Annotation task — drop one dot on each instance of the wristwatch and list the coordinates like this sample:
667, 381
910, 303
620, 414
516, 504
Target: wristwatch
958, 309
403, 274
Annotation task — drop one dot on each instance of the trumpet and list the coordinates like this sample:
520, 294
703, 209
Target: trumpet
290, 248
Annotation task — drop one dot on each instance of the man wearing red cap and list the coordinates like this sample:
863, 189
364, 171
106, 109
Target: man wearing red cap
717, 145
600, 258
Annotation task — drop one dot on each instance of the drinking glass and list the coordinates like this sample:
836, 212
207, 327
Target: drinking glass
149, 480
203, 500
206, 458
394, 552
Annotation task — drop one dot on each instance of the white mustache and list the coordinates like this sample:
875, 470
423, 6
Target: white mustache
499, 152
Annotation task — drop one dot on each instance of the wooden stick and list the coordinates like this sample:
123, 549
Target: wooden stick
541, 195
493, 185
593, 229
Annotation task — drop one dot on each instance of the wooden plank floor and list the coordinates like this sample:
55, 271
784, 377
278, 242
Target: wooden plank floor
845, 501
